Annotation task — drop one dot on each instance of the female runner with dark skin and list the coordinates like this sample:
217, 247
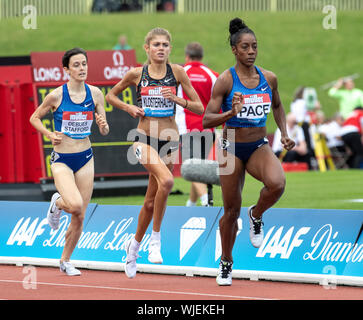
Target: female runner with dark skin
246, 95
157, 136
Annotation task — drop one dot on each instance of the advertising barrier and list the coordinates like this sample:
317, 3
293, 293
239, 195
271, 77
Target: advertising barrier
307, 245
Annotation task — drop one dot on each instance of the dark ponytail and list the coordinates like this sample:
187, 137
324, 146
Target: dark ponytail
236, 28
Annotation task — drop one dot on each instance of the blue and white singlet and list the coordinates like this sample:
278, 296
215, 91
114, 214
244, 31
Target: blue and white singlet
256, 102
74, 119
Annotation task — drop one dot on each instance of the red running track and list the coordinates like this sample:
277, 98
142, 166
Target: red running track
17, 283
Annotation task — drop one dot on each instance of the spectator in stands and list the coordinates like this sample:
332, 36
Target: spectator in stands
298, 106
351, 134
349, 97
122, 43
305, 117
194, 143
319, 119
331, 131
299, 109
297, 154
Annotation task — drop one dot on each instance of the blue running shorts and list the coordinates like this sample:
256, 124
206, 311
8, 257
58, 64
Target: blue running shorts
75, 161
243, 150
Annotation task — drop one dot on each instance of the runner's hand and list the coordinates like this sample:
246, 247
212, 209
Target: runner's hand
102, 123
168, 94
55, 137
135, 112
237, 103
287, 143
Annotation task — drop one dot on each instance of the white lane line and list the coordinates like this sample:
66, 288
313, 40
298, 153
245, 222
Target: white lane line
141, 290
354, 200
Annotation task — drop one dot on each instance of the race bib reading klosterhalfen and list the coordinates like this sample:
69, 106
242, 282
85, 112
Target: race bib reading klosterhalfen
154, 104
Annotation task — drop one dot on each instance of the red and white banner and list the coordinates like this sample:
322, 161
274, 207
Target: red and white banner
103, 65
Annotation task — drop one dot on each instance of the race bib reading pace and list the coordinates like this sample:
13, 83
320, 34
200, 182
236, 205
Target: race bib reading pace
255, 106
77, 125
154, 104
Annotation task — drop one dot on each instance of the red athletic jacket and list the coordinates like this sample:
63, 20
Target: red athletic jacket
203, 80
355, 119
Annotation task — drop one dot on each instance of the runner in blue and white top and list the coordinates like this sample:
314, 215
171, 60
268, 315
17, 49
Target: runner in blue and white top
246, 94
74, 119
256, 102
73, 105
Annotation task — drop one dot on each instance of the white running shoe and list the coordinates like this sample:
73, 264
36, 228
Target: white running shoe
53, 214
69, 269
224, 276
256, 230
190, 203
130, 265
154, 252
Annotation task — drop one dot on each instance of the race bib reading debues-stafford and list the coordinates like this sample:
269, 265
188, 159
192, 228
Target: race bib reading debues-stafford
77, 124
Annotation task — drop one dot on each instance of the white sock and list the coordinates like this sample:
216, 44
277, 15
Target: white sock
204, 199
135, 245
155, 236
190, 203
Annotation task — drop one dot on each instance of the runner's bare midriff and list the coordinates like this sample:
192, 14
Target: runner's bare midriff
160, 128
69, 145
236, 134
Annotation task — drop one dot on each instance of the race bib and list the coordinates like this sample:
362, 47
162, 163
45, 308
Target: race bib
255, 106
77, 124
154, 104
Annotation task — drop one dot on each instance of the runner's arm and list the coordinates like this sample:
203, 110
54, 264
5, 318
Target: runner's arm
131, 78
279, 112
50, 102
100, 113
213, 117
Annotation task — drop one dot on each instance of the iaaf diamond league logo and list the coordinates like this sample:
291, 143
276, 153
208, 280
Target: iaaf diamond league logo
190, 232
